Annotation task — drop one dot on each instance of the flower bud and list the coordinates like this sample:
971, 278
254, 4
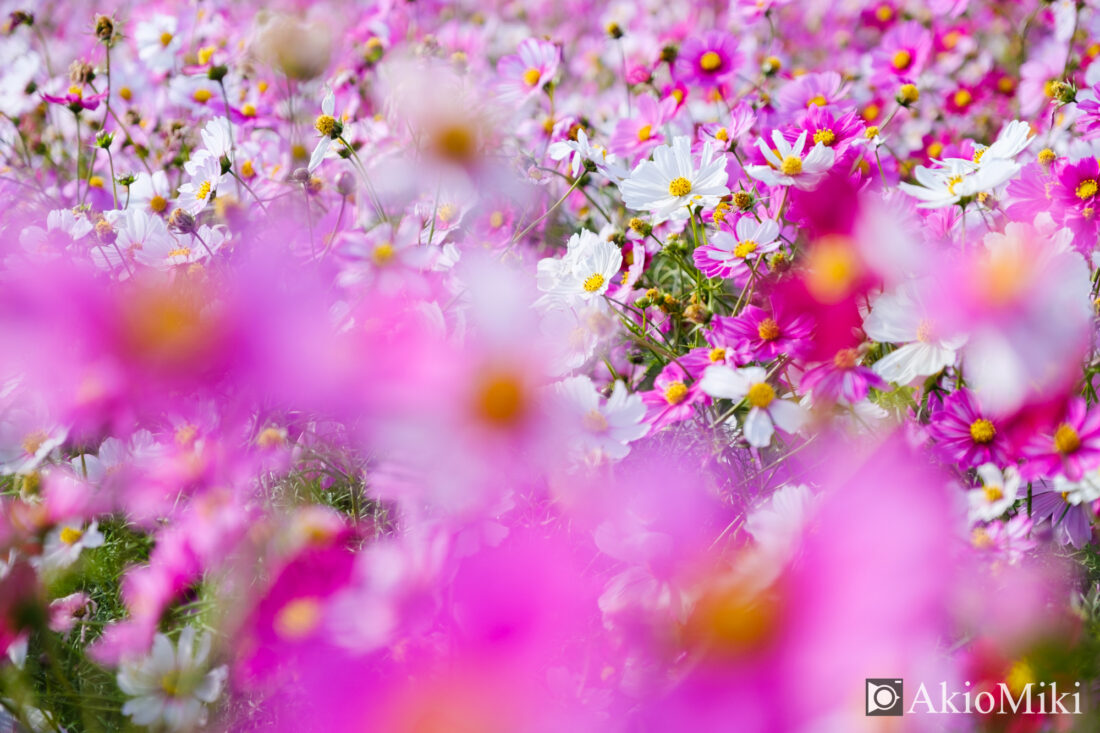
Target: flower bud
908, 94
345, 183
182, 222
104, 29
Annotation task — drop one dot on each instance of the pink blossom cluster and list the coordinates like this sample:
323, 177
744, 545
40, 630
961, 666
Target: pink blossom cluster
547, 366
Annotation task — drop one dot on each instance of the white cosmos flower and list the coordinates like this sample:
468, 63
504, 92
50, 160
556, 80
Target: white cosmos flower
584, 273
64, 544
206, 174
956, 179
765, 411
1014, 139
778, 523
997, 494
217, 136
1083, 491
900, 318
604, 430
580, 150
670, 185
328, 110
157, 42
790, 165
171, 686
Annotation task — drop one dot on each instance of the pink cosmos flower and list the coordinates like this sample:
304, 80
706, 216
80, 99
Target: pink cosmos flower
1074, 199
672, 400
1071, 447
811, 90
707, 60
524, 74
635, 136
965, 434
767, 334
902, 54
1072, 523
842, 379
75, 100
728, 254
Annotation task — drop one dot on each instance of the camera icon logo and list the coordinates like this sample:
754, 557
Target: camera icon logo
884, 697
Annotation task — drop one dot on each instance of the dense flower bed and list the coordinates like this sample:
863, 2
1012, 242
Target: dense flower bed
548, 366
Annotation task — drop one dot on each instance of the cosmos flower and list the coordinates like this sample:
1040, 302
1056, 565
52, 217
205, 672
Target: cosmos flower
729, 254
766, 410
707, 60
671, 185
791, 165
173, 685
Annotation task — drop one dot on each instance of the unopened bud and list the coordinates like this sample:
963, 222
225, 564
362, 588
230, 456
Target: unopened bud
104, 29
345, 183
182, 222
641, 226
908, 94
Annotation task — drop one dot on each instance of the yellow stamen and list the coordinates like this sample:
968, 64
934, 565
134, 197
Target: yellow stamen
125, 93
326, 125
760, 395
679, 187
722, 134
993, 493
298, 619
70, 536
644, 133
158, 204
595, 422
963, 98
717, 354
382, 254
768, 330
202, 96
982, 431
1086, 189
826, 137
501, 399
1066, 439
902, 59
531, 77
594, 282
676, 393
203, 190
745, 249
792, 165
165, 38
819, 100
710, 61
181, 252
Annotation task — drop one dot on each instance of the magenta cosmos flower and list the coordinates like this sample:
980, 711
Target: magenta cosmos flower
524, 74
843, 378
672, 399
902, 54
709, 60
729, 254
1071, 448
767, 335
965, 434
75, 100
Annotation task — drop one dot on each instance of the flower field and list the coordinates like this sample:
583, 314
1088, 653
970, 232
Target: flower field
507, 367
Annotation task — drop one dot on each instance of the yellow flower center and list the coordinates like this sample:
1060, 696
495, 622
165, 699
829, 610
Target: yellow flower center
963, 98
644, 133
902, 59
768, 330
952, 182
595, 422
165, 38
710, 61
679, 187
993, 493
247, 169
818, 100
271, 437
501, 399
181, 252
1066, 439
982, 431
594, 282
676, 393
845, 358
1019, 676
531, 77
298, 619
126, 94
326, 125
826, 137
717, 354
981, 539
722, 134
925, 331
792, 165
1086, 189
248, 110
33, 441
203, 190
884, 13
158, 204
205, 54
977, 157
170, 682
745, 249
70, 536
496, 220
760, 395
202, 96
382, 254
456, 142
